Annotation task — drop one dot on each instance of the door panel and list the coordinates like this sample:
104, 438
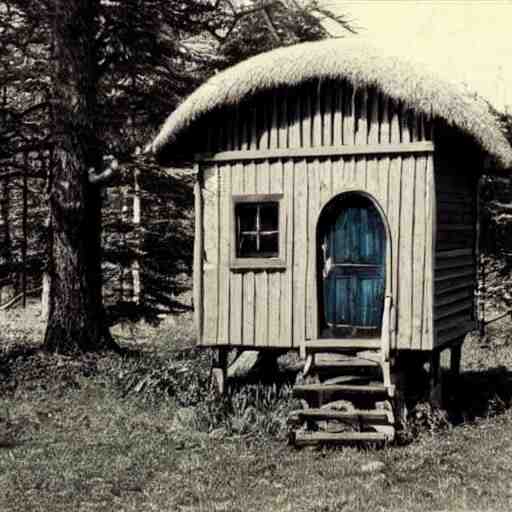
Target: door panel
370, 295
353, 257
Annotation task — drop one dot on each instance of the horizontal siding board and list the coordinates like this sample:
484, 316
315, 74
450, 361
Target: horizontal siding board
443, 255
449, 274
455, 296
452, 309
446, 287
452, 322
455, 333
309, 151
462, 261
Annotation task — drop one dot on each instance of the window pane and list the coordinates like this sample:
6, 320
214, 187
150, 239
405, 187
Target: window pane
257, 229
247, 246
269, 245
269, 216
246, 214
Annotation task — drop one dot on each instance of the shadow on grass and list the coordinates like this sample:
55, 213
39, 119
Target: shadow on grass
128, 311
476, 394
276, 369
9, 358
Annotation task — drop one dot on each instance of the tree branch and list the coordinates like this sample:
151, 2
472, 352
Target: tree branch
272, 28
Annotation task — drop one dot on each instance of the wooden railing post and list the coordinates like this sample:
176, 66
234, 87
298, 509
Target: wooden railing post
385, 341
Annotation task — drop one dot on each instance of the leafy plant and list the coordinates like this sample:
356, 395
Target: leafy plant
251, 409
426, 418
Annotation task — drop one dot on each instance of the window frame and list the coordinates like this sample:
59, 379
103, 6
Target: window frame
250, 262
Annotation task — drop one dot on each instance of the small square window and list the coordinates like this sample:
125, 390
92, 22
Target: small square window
257, 241
257, 229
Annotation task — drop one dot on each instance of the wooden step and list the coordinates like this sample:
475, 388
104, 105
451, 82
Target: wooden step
346, 360
336, 364
347, 365
321, 393
353, 416
343, 344
299, 438
348, 379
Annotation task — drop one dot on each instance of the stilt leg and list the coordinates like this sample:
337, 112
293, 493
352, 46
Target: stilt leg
302, 350
452, 382
435, 378
455, 357
399, 381
220, 370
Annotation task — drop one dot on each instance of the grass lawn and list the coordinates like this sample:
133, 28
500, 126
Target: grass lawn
141, 432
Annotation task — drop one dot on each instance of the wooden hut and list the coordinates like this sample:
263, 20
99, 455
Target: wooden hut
335, 213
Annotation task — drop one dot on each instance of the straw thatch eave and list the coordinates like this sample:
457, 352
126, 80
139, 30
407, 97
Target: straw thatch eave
347, 59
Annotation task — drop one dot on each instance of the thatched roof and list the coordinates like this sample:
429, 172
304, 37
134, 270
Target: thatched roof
350, 59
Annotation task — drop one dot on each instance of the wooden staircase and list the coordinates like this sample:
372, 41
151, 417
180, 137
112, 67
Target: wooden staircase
351, 399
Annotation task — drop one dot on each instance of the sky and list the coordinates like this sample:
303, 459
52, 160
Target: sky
467, 40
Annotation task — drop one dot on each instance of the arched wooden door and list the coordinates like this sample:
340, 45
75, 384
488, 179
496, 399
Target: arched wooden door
352, 254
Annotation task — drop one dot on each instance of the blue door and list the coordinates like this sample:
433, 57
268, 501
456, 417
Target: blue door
352, 253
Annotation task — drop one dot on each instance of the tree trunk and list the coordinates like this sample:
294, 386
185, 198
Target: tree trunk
136, 278
6, 288
45, 296
76, 316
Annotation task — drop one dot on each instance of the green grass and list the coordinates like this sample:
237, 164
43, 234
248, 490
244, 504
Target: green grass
88, 435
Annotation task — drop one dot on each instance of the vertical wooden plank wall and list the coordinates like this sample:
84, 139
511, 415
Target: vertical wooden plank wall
198, 254
211, 225
278, 307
